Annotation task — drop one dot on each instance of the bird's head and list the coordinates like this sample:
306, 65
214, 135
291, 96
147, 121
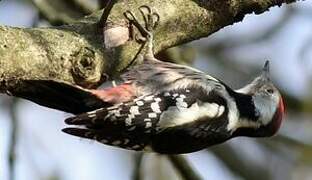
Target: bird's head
269, 105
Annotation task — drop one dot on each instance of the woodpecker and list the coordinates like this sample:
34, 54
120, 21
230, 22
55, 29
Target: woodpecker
175, 109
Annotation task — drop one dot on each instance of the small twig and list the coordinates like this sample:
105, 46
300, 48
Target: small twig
137, 167
238, 164
184, 168
13, 138
108, 7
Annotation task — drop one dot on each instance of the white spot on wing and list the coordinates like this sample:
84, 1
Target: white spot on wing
155, 107
152, 115
148, 124
157, 99
149, 98
91, 115
128, 121
107, 116
182, 96
180, 101
140, 103
167, 94
112, 107
117, 112
134, 110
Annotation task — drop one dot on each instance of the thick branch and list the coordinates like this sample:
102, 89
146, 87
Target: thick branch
75, 53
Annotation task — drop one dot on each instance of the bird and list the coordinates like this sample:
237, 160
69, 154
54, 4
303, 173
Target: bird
175, 109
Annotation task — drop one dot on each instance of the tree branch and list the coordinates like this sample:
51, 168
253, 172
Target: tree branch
60, 12
137, 167
183, 167
237, 164
13, 138
75, 53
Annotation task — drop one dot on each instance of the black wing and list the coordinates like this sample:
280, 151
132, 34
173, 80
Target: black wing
192, 137
127, 125
133, 125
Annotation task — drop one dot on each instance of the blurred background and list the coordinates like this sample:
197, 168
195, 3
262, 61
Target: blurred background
32, 146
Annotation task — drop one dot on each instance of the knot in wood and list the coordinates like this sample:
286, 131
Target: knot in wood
84, 70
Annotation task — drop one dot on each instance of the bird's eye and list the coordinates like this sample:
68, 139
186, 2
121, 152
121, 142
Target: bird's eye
270, 91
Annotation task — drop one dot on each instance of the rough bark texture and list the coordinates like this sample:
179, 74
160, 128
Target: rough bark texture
75, 53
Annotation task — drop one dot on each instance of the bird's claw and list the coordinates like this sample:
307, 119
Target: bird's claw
151, 19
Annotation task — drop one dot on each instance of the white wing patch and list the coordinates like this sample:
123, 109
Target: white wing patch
140, 103
155, 107
134, 110
152, 115
175, 116
181, 102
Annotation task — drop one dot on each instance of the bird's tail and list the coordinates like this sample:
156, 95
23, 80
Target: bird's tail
60, 96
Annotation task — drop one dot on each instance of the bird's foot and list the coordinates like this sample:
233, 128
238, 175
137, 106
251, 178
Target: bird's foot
151, 20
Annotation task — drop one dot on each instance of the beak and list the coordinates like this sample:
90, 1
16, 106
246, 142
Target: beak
266, 71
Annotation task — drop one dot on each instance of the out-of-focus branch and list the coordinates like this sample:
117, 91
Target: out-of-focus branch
180, 55
257, 38
59, 12
306, 47
13, 138
183, 167
75, 53
137, 167
219, 49
292, 142
238, 164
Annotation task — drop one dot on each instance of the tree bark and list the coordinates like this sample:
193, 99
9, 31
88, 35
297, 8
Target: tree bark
82, 52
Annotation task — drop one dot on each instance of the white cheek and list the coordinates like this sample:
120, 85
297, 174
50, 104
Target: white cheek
266, 109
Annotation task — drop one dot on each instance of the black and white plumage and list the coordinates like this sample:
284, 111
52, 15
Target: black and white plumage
172, 109
175, 109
